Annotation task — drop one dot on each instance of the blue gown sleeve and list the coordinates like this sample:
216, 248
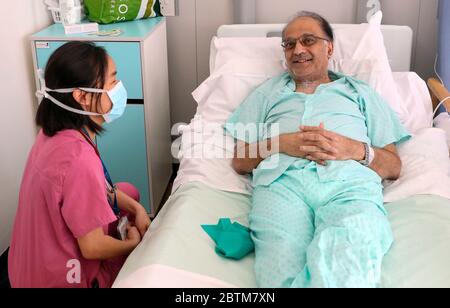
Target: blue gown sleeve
383, 125
247, 122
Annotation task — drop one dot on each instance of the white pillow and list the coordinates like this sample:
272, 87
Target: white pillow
360, 53
206, 152
206, 155
230, 85
416, 97
426, 167
224, 50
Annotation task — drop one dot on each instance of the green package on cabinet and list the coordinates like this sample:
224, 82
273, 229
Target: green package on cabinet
111, 11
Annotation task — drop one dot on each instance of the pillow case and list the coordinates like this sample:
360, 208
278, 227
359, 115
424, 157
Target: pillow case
206, 155
360, 53
226, 49
206, 151
426, 167
416, 97
230, 85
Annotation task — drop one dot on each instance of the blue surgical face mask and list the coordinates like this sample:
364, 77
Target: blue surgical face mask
118, 96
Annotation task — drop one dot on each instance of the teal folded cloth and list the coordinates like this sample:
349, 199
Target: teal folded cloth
232, 240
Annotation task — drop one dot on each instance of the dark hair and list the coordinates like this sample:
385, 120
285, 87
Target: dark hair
73, 65
324, 24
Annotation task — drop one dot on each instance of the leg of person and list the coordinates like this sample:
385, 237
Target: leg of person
282, 228
352, 236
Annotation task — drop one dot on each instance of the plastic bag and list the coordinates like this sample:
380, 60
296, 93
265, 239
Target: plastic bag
111, 11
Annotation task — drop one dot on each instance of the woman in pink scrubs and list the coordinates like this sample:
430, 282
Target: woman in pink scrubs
64, 233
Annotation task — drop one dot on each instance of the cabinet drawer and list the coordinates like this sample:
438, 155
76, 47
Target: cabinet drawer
127, 56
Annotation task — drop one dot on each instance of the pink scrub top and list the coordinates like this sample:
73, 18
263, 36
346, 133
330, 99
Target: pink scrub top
62, 198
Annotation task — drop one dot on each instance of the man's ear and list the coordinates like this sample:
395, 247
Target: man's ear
80, 97
330, 49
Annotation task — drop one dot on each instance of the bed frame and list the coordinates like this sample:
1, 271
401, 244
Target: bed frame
438, 93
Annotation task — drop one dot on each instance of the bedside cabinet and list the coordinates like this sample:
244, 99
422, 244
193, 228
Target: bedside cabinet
137, 147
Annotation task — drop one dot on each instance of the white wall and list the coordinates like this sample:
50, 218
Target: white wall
18, 105
340, 11
421, 16
427, 39
189, 40
182, 49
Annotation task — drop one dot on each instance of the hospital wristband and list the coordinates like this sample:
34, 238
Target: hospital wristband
369, 155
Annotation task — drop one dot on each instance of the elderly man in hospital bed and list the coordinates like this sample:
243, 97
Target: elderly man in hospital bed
317, 216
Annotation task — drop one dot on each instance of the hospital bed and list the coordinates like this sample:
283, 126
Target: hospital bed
176, 252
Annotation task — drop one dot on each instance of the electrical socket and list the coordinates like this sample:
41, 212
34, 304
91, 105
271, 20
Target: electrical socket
169, 7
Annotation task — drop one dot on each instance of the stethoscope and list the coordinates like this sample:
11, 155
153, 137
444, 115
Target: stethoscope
109, 183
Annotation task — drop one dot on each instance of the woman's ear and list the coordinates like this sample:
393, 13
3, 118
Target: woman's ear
81, 98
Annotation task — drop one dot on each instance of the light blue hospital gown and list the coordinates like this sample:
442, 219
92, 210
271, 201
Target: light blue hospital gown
313, 225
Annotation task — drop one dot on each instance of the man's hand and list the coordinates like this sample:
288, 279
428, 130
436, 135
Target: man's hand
293, 144
312, 143
327, 145
290, 144
321, 145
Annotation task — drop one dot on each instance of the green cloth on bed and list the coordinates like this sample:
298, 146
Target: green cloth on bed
232, 240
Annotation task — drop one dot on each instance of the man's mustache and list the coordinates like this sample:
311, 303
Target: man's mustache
302, 57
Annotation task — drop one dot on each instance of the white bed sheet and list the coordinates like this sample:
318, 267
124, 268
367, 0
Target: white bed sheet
178, 253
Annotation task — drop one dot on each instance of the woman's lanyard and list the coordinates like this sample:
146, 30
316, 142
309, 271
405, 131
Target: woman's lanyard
109, 183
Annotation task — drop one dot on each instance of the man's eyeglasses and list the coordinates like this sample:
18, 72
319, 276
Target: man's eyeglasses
306, 40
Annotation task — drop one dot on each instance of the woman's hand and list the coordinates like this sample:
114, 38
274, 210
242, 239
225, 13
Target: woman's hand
133, 235
137, 212
142, 221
